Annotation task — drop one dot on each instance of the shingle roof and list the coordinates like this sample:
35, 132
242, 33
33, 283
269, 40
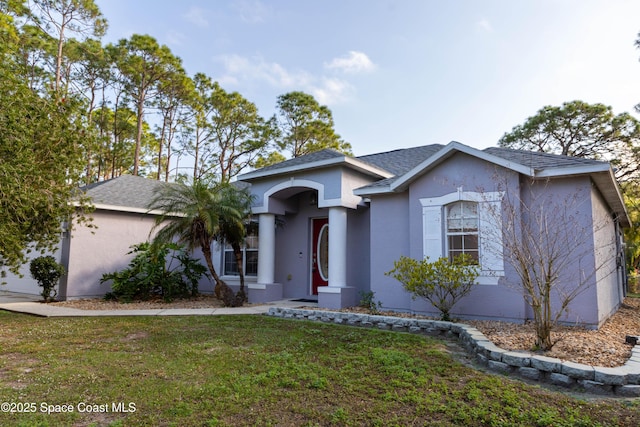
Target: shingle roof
396, 162
126, 191
538, 160
401, 161
307, 158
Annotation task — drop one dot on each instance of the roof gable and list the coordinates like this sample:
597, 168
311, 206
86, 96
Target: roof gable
529, 163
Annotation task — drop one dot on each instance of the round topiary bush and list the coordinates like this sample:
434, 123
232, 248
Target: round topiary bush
46, 271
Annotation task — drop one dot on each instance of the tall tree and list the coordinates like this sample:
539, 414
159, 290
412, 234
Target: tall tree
58, 18
117, 132
239, 132
34, 51
306, 126
581, 130
198, 131
174, 93
90, 75
143, 65
40, 163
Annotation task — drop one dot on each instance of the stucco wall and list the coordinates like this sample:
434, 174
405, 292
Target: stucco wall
95, 251
22, 282
610, 292
470, 174
329, 179
358, 250
566, 203
390, 235
504, 300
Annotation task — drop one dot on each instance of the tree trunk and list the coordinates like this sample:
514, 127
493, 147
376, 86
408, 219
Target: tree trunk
221, 290
237, 251
139, 116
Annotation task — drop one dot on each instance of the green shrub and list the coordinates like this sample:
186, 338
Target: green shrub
46, 271
152, 272
368, 301
443, 282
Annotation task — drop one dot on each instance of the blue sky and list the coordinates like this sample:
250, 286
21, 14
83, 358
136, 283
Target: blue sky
403, 73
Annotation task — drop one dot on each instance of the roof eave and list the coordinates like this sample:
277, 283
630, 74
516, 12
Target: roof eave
364, 191
572, 170
335, 161
126, 209
610, 190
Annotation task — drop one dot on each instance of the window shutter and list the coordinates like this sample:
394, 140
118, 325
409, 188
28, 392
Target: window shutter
432, 235
491, 258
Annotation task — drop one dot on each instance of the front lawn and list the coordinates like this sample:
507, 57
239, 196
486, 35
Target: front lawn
256, 370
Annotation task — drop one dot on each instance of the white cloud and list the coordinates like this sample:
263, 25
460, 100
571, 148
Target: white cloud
326, 90
353, 62
332, 91
484, 25
196, 16
252, 11
256, 68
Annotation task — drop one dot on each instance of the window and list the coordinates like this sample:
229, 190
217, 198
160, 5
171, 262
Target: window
249, 256
462, 229
465, 222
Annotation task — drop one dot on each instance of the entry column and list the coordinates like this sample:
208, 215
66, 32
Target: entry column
266, 290
267, 248
337, 294
338, 247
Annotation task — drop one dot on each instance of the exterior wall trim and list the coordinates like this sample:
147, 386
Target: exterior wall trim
306, 183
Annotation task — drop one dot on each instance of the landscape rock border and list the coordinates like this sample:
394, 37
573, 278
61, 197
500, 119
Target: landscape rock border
622, 381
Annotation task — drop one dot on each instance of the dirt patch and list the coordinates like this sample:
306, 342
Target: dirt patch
136, 336
603, 347
202, 301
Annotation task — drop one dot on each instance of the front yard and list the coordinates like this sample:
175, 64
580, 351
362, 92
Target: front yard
255, 370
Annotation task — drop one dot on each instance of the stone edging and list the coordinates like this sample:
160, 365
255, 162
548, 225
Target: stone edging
623, 381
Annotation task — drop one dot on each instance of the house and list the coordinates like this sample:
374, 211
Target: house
331, 226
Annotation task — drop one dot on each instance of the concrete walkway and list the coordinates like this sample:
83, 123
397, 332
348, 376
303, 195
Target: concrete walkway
28, 304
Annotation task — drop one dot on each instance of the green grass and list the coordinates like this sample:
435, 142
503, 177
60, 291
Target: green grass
256, 370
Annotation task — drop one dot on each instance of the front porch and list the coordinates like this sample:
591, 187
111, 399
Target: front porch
299, 260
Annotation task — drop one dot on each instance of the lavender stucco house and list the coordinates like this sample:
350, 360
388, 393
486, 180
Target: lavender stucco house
331, 225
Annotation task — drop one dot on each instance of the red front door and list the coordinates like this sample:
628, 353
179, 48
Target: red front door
320, 253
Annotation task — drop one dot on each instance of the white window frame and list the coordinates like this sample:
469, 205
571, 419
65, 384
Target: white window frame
226, 249
489, 230
448, 233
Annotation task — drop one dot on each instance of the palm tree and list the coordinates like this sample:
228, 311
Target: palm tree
233, 229
192, 215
